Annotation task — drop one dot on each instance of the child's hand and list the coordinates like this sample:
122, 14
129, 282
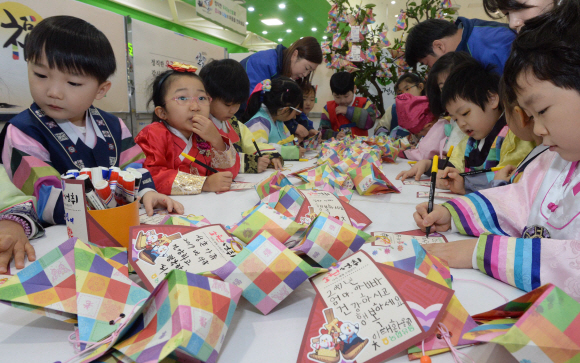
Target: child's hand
455, 183
205, 129
152, 200
312, 132
277, 163
341, 135
13, 241
458, 254
219, 182
341, 109
301, 152
263, 162
301, 132
504, 174
439, 219
416, 170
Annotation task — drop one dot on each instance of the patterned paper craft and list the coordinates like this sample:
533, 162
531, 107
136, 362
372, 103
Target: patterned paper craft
440, 195
411, 257
155, 219
400, 25
326, 47
265, 218
267, 271
333, 13
368, 312
343, 194
289, 202
384, 42
540, 326
329, 240
369, 18
351, 20
422, 183
331, 27
354, 35
189, 220
337, 41
369, 55
157, 251
326, 201
271, 184
368, 180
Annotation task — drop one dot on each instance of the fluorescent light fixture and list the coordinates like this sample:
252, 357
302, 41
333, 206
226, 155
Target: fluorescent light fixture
397, 15
247, 23
393, 2
299, 18
325, 37
301, 37
313, 29
279, 39
272, 21
251, 8
282, 6
264, 32
288, 30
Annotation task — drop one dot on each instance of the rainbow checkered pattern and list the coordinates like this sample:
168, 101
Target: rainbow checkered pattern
267, 271
185, 311
545, 331
271, 184
329, 240
325, 173
265, 218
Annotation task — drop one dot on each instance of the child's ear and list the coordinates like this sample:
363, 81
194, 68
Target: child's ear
493, 101
421, 86
521, 118
103, 89
160, 112
438, 44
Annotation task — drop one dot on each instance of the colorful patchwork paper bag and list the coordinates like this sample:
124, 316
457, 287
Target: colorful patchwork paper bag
540, 326
368, 180
329, 240
265, 218
271, 184
267, 271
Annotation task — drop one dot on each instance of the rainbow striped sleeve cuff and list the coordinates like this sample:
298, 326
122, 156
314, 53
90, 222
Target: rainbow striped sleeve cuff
474, 215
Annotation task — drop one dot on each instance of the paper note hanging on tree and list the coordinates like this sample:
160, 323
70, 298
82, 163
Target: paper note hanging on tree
156, 251
355, 34
354, 53
369, 312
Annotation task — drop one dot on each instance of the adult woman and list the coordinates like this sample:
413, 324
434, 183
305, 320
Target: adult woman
297, 62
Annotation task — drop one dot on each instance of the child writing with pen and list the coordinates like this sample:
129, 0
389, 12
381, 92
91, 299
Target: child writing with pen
227, 83
181, 124
527, 233
69, 63
270, 105
479, 113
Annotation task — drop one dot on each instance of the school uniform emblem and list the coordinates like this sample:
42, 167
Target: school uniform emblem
39, 113
536, 231
79, 164
112, 160
107, 134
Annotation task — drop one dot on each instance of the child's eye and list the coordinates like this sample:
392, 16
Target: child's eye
74, 84
465, 114
543, 111
39, 75
202, 98
182, 98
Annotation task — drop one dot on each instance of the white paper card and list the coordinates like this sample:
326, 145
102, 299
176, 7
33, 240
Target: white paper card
75, 209
327, 202
393, 239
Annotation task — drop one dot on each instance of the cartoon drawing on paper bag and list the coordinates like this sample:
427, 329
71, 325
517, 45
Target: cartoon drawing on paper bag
309, 217
336, 338
152, 245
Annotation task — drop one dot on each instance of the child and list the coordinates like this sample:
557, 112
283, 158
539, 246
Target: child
517, 11
513, 223
408, 83
270, 105
478, 112
181, 125
69, 62
226, 82
18, 223
346, 111
301, 126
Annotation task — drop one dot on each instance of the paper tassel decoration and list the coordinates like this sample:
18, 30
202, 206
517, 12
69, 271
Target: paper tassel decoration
400, 25
325, 47
337, 41
329, 240
267, 271
265, 218
540, 326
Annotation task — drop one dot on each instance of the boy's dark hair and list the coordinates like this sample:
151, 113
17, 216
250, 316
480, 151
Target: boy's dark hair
71, 45
227, 80
341, 83
307, 87
285, 92
548, 48
161, 84
471, 81
443, 65
410, 78
421, 37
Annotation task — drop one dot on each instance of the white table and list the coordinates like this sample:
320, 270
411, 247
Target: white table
252, 337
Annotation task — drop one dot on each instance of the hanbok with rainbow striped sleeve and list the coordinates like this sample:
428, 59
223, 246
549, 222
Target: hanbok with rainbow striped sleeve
38, 149
529, 232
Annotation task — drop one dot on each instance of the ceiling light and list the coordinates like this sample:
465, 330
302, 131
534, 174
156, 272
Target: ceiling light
396, 16
272, 21
301, 37
288, 30
282, 6
251, 8
279, 39
393, 2
264, 32
325, 37
299, 18
313, 29
246, 23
